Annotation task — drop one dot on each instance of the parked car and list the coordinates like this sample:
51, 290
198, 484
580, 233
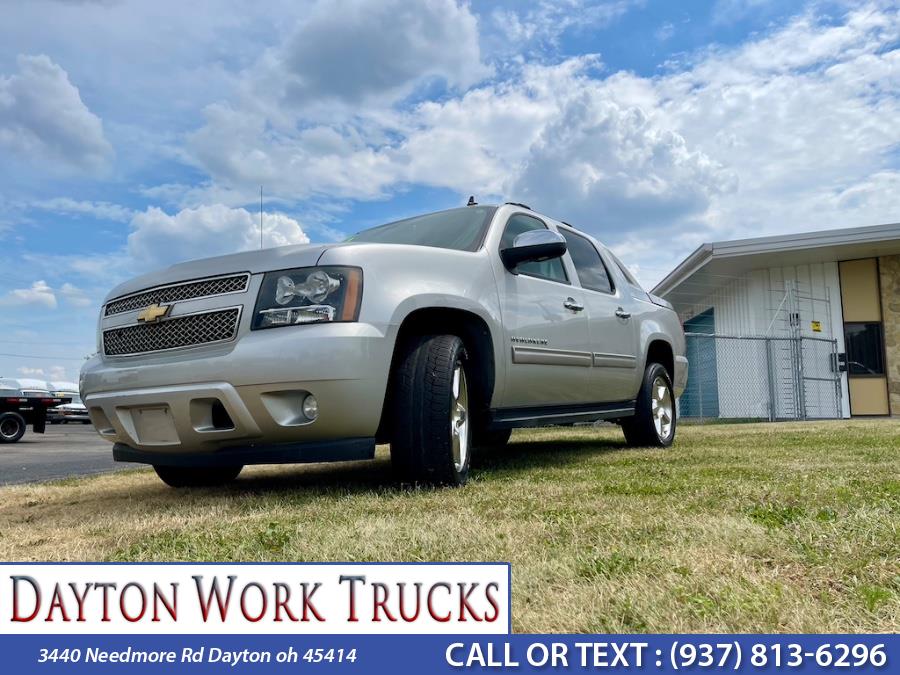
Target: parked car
21, 404
69, 412
436, 334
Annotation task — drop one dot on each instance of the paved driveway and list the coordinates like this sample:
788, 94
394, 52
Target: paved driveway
65, 450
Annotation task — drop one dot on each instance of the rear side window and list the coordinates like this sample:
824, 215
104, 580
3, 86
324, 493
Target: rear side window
546, 269
629, 277
592, 272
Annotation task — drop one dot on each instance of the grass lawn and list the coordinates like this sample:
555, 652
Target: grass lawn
787, 527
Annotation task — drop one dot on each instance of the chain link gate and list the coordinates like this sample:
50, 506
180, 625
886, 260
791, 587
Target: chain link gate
761, 378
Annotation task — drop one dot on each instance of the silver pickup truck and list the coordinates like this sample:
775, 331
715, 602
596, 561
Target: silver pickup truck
437, 334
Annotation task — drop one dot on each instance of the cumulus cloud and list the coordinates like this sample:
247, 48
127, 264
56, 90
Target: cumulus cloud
354, 51
158, 238
39, 294
601, 164
42, 115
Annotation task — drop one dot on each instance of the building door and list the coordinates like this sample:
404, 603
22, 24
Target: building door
701, 397
864, 337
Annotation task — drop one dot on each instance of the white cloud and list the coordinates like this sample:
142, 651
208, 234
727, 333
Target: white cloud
101, 210
48, 374
74, 295
601, 164
356, 51
39, 294
543, 24
159, 239
42, 115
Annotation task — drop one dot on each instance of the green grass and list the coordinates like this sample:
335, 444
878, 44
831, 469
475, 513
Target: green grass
786, 527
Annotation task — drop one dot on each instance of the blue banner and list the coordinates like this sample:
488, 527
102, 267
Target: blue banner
433, 654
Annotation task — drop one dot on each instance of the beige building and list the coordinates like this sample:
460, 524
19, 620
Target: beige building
837, 290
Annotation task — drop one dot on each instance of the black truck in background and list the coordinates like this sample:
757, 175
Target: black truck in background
20, 408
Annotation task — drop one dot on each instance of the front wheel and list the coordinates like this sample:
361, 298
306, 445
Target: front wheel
12, 427
654, 421
194, 476
432, 437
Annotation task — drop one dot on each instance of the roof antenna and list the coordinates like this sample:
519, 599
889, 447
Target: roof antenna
472, 201
260, 219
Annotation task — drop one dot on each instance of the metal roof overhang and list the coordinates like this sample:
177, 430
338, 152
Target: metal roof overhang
713, 265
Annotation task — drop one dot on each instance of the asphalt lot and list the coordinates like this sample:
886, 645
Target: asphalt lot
65, 450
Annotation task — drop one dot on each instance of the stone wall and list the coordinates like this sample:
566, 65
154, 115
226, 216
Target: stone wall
890, 310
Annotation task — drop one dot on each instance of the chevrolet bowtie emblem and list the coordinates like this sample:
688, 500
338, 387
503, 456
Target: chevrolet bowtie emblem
153, 313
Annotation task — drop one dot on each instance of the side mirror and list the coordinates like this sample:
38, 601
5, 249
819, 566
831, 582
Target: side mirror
533, 246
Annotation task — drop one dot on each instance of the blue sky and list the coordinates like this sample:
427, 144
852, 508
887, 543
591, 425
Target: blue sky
134, 134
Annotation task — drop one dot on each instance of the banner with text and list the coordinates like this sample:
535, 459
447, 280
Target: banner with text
289, 598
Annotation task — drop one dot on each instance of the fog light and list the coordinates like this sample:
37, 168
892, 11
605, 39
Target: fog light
310, 407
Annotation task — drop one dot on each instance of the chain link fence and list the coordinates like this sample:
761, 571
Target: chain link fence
761, 378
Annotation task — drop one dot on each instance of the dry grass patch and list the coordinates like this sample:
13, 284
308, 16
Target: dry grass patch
790, 527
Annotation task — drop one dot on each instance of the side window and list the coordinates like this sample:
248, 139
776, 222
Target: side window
629, 277
591, 271
546, 269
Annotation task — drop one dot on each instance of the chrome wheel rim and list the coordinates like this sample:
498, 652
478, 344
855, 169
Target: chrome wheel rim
459, 418
662, 407
9, 428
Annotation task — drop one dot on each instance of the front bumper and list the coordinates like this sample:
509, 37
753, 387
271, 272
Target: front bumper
162, 405
350, 449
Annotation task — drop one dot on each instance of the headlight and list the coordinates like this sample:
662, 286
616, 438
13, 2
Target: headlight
308, 295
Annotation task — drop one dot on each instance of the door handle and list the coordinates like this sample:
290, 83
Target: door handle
622, 314
571, 304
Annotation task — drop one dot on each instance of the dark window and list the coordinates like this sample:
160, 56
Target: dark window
588, 263
458, 229
865, 348
546, 269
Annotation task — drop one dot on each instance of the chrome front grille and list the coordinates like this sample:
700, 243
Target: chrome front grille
202, 288
181, 331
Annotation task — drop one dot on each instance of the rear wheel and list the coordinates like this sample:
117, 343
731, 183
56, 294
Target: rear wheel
654, 422
12, 427
432, 431
194, 476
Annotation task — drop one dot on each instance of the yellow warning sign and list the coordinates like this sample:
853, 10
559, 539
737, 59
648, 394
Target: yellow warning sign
816, 326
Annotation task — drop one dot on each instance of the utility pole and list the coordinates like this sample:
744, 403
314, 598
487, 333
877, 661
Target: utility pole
260, 219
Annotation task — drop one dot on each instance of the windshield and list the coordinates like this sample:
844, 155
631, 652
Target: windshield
458, 229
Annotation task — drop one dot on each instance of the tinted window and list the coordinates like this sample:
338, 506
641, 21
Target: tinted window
591, 271
458, 229
865, 348
546, 269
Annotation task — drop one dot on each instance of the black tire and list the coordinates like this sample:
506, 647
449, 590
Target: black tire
641, 430
423, 408
492, 439
196, 476
12, 427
